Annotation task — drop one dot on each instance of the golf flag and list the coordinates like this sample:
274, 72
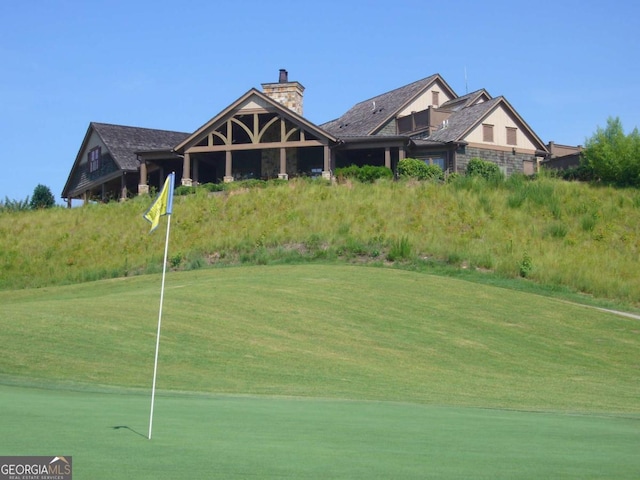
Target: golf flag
162, 205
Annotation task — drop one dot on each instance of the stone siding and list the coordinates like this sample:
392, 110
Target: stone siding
509, 161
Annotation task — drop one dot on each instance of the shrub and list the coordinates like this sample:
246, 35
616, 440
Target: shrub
400, 250
364, 174
184, 190
14, 205
526, 265
213, 187
581, 173
483, 168
418, 169
453, 177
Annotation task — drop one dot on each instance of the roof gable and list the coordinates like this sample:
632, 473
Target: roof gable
462, 122
251, 102
122, 144
467, 100
368, 116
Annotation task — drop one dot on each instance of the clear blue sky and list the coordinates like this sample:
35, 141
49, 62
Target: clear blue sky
565, 66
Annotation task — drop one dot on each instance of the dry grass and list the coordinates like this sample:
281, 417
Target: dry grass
574, 236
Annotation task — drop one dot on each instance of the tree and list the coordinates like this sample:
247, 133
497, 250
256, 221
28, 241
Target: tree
613, 157
42, 198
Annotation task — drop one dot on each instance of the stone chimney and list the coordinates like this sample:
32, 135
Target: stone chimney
285, 92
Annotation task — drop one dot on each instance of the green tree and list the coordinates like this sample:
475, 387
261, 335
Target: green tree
42, 198
613, 157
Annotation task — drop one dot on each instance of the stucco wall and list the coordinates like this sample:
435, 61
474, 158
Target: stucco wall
500, 119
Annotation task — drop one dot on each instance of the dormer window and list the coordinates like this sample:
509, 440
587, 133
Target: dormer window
93, 158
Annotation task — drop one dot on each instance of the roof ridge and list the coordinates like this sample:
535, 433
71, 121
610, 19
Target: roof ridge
133, 127
398, 88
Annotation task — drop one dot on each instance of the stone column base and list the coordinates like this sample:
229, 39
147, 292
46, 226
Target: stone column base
326, 174
143, 189
187, 182
283, 176
227, 179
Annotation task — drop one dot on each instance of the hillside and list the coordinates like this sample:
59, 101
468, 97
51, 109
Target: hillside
561, 235
325, 331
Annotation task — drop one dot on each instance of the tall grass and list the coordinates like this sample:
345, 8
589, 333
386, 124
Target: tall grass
575, 236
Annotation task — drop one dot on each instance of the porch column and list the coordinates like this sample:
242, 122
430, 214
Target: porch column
186, 170
196, 165
143, 185
283, 165
228, 177
326, 167
401, 153
387, 157
123, 187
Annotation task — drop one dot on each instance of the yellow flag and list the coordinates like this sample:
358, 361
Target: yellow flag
162, 205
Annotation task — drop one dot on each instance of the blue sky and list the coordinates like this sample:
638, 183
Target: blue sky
565, 66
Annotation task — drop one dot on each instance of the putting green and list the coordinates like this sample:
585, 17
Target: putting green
228, 437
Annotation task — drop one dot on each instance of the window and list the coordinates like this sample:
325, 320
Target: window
435, 100
94, 159
512, 137
433, 159
487, 133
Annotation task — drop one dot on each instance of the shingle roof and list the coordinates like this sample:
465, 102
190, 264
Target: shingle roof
124, 142
464, 100
365, 116
462, 120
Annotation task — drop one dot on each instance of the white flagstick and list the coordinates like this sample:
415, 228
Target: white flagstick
169, 210
155, 364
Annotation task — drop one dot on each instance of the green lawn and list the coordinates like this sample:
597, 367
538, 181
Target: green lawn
234, 437
318, 371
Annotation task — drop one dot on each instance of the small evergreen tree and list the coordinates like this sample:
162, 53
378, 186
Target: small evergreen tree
42, 198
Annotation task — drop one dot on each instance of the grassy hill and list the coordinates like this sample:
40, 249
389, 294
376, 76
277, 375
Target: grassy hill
327, 331
315, 358
562, 235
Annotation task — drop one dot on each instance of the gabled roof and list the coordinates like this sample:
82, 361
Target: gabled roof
125, 142
462, 121
366, 117
193, 138
466, 100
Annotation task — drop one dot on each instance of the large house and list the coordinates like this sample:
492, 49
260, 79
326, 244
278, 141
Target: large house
263, 134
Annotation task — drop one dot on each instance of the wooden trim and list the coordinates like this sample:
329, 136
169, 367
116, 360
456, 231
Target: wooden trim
499, 148
256, 146
266, 127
